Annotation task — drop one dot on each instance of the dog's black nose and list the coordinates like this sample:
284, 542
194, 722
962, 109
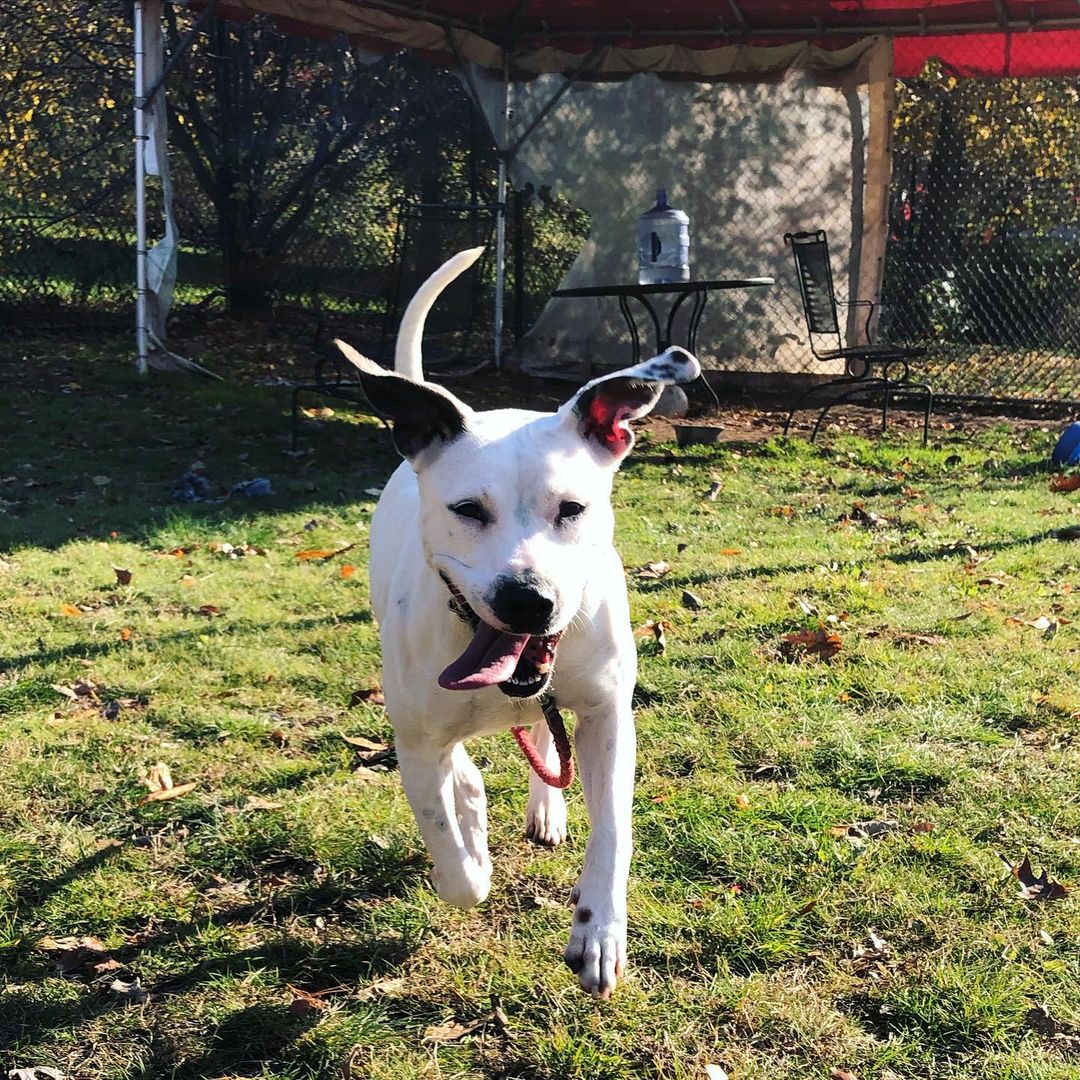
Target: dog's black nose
523, 604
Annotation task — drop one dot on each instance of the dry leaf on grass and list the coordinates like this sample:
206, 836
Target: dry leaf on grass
865, 830
36, 1072
380, 988
657, 628
304, 1002
692, 601
255, 802
160, 783
72, 954
348, 570
123, 577
323, 553
821, 644
84, 688
453, 1030
132, 992
651, 571
1061, 484
209, 610
70, 610
371, 694
730, 551
841, 1074
1042, 887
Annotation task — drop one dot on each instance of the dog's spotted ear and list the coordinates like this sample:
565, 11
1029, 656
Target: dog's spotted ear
423, 416
601, 409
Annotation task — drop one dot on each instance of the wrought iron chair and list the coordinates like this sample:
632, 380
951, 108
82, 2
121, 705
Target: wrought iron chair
867, 368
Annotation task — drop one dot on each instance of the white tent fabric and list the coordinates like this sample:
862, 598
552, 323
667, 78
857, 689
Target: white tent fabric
747, 161
161, 258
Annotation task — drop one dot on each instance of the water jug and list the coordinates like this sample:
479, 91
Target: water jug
663, 244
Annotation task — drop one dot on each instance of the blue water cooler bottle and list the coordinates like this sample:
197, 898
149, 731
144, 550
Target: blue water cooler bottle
663, 244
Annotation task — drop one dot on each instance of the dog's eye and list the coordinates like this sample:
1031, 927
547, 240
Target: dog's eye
471, 509
568, 510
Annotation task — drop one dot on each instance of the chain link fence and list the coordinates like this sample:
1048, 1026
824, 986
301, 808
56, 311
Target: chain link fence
982, 261
983, 257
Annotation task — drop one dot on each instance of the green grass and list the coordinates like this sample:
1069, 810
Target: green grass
750, 918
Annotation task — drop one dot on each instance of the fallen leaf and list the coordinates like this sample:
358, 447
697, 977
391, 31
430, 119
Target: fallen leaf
821, 643
70, 610
656, 627
187, 581
278, 737
1032, 887
922, 827
131, 991
841, 1074
691, 601
125, 634
742, 801
865, 830
730, 551
304, 1002
348, 570
650, 571
358, 742
159, 781
209, 610
323, 553
36, 1072
452, 1031
380, 988
123, 577
70, 954
1061, 484
371, 694
256, 802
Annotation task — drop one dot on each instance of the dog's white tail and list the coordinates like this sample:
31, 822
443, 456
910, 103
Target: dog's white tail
407, 356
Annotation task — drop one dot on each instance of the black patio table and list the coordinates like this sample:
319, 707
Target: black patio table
698, 291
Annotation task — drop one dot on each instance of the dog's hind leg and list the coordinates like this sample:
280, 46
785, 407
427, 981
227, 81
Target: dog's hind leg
431, 785
545, 816
471, 802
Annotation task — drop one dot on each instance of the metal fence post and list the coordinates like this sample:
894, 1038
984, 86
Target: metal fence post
141, 337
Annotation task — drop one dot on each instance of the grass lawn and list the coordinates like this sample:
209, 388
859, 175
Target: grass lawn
277, 918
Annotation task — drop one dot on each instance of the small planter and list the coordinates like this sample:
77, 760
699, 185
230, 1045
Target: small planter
698, 434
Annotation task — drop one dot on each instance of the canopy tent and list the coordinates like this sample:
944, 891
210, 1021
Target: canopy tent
546, 48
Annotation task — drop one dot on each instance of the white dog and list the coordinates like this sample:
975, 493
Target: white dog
492, 543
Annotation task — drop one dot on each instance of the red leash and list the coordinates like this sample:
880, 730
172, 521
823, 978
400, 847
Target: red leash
565, 776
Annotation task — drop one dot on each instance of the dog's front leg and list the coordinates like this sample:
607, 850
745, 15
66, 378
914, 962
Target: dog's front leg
606, 747
461, 871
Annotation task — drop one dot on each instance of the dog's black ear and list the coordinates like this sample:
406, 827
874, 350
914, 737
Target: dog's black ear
423, 415
602, 409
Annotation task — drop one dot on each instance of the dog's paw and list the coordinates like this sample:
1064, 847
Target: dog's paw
545, 818
596, 951
463, 885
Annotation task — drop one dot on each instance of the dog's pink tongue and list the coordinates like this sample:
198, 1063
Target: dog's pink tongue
490, 659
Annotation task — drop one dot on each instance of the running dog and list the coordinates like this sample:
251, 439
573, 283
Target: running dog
498, 592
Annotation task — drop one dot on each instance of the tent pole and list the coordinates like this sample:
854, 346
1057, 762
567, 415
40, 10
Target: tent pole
140, 195
500, 221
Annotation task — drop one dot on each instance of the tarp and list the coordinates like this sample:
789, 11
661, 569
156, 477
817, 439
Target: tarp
690, 40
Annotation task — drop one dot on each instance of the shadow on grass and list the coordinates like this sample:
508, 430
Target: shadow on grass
96, 450
253, 1035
